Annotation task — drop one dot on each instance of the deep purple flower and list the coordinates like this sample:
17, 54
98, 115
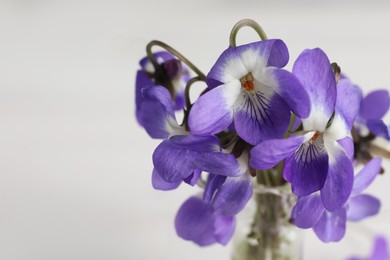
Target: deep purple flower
320, 159
170, 74
372, 109
211, 219
309, 212
249, 88
379, 252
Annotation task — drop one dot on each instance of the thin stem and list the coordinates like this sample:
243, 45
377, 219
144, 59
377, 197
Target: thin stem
174, 52
379, 151
187, 90
243, 23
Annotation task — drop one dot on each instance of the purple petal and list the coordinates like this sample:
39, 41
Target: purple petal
338, 184
228, 67
213, 183
331, 226
156, 113
213, 111
195, 221
366, 176
292, 91
308, 210
348, 101
160, 56
259, 117
269, 153
362, 206
142, 81
193, 178
172, 67
158, 183
347, 108
235, 63
378, 128
375, 105
178, 157
224, 228
348, 146
381, 250
307, 168
260, 54
233, 195
313, 69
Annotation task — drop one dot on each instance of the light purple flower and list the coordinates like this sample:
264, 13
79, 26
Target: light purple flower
309, 212
182, 158
171, 74
157, 113
320, 159
199, 222
372, 109
211, 219
379, 252
248, 87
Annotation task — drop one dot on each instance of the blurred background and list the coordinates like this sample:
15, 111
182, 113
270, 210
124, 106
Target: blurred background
75, 167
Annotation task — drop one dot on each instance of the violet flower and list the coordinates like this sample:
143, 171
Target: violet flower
210, 219
320, 159
379, 252
309, 212
372, 109
249, 88
170, 74
180, 157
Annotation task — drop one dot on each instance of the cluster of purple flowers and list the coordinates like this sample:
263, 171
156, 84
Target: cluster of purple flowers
253, 116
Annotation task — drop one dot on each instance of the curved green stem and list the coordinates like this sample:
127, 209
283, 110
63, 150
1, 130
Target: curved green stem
172, 51
243, 23
187, 90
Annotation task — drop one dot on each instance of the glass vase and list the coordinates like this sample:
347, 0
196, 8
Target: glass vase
264, 229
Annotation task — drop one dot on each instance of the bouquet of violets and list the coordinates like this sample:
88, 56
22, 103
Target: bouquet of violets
288, 140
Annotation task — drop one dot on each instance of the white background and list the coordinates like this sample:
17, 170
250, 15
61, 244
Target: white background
74, 165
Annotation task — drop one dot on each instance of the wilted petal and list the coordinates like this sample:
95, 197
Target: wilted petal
308, 210
331, 226
213, 111
261, 116
292, 91
347, 108
195, 221
378, 128
338, 184
362, 206
366, 176
375, 105
233, 195
313, 69
269, 153
158, 183
307, 168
